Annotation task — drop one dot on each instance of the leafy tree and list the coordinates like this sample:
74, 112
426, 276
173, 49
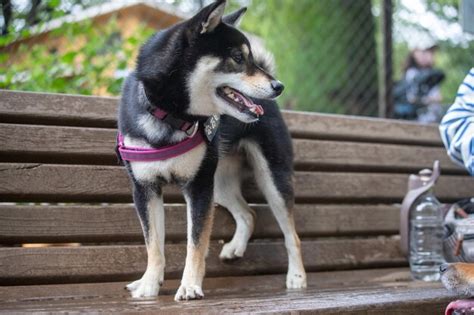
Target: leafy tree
325, 52
89, 63
17, 21
454, 55
313, 65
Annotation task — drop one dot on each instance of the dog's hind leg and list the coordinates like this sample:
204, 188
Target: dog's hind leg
227, 193
149, 206
280, 202
200, 210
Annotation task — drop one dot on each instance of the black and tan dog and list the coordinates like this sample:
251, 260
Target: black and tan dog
458, 277
201, 67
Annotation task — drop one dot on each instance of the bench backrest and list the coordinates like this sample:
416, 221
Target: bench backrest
60, 184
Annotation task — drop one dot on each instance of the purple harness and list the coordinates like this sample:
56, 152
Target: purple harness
135, 154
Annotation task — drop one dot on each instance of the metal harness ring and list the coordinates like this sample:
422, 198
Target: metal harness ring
195, 128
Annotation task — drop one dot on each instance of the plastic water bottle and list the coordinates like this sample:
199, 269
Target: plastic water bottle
426, 234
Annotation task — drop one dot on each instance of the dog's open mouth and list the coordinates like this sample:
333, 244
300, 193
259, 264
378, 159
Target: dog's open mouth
461, 307
239, 101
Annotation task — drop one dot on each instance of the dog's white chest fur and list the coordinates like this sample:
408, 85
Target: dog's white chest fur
183, 167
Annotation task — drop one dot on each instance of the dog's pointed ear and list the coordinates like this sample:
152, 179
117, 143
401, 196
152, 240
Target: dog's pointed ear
213, 17
234, 18
206, 20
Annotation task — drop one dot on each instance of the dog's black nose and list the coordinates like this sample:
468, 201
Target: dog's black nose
277, 86
443, 268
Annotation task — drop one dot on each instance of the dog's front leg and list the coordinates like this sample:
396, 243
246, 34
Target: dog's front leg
150, 209
200, 212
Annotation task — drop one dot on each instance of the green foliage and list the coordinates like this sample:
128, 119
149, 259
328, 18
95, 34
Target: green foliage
325, 52
445, 9
90, 60
321, 60
455, 59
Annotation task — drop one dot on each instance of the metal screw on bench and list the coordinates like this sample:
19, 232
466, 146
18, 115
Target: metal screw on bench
426, 233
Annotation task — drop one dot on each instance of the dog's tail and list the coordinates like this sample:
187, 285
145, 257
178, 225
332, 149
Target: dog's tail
263, 58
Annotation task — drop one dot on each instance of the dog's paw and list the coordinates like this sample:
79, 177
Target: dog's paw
233, 250
188, 292
147, 286
296, 280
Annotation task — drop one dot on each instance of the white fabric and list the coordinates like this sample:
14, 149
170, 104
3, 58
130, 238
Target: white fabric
457, 126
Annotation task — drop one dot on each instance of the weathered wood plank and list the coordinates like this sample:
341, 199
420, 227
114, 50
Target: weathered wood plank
339, 127
83, 183
74, 145
221, 285
46, 108
373, 291
119, 223
344, 301
114, 263
52, 144
25, 182
328, 155
60, 109
353, 301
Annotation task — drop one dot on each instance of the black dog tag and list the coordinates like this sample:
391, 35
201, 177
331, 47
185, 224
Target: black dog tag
210, 127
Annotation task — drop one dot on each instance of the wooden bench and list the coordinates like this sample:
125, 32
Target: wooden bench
60, 185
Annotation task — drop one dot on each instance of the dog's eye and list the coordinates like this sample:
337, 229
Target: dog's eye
237, 56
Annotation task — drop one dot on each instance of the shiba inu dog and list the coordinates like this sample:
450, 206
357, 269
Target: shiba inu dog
458, 277
205, 67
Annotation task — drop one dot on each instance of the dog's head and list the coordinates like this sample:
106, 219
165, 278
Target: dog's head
458, 277
217, 64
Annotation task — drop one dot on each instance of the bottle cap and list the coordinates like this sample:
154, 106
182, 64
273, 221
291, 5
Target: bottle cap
425, 175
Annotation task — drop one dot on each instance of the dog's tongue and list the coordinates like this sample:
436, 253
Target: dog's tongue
465, 305
254, 108
257, 109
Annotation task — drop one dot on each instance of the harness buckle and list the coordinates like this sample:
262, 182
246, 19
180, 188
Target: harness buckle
191, 132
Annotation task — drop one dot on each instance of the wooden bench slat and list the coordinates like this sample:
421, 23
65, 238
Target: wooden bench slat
378, 290
83, 183
53, 144
73, 145
47, 108
220, 285
114, 263
43, 108
339, 127
355, 301
119, 223
327, 155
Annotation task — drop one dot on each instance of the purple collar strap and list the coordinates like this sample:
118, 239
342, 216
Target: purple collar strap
136, 154
180, 124
177, 123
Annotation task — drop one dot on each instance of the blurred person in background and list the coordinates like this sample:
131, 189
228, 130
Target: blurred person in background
417, 95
